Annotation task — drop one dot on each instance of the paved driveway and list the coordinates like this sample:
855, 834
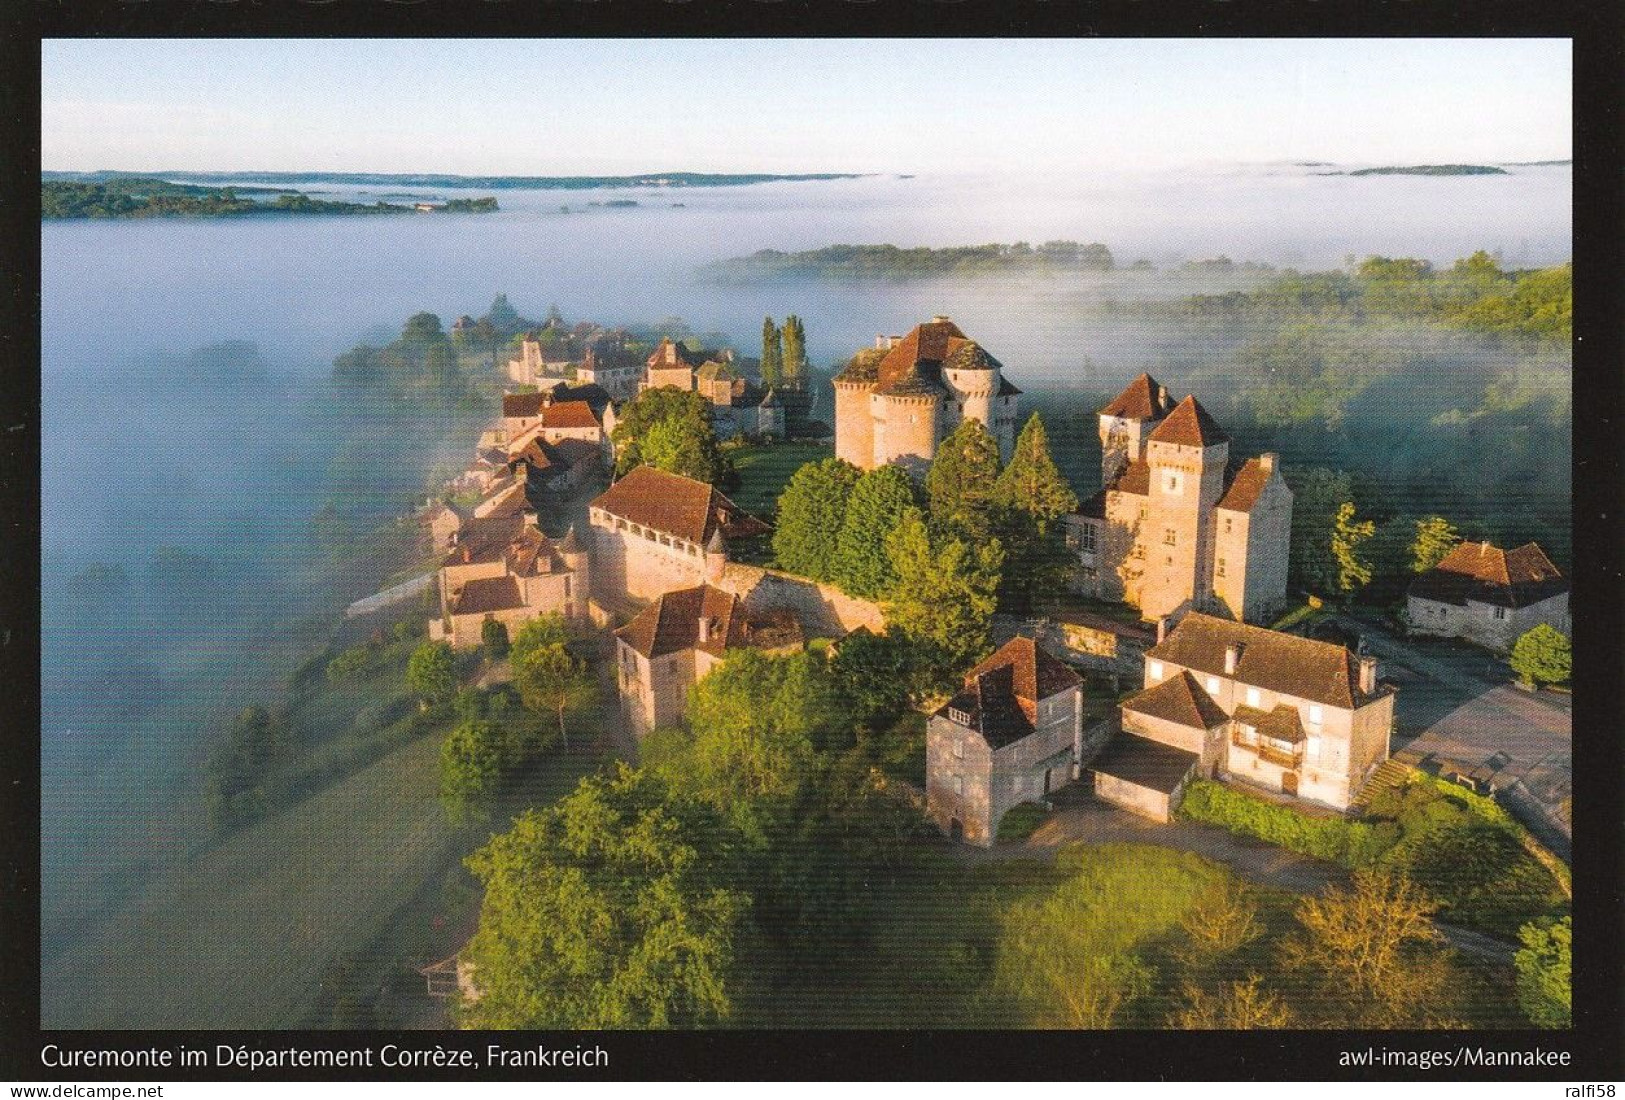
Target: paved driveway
1454, 703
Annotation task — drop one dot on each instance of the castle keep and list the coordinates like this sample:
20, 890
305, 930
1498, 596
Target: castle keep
1179, 526
896, 401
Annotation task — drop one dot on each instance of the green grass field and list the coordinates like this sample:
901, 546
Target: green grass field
763, 472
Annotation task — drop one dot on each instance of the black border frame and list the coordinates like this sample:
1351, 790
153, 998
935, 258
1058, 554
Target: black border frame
1597, 1041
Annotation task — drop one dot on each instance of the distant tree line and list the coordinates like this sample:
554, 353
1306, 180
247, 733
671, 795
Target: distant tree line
142, 198
862, 261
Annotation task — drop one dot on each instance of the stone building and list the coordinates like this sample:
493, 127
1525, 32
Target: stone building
1178, 525
1227, 700
654, 532
1010, 736
613, 369
673, 643
503, 568
739, 405
896, 401
1489, 596
671, 364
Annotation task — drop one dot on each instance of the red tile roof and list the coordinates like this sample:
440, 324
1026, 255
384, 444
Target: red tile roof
1144, 399
672, 623
1037, 675
1487, 574
1135, 478
1178, 699
1245, 487
523, 404
569, 414
487, 594
671, 354
1189, 425
678, 506
928, 343
1322, 672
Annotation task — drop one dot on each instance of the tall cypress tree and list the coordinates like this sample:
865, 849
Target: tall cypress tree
772, 354
1031, 497
1032, 483
878, 502
962, 482
812, 509
794, 367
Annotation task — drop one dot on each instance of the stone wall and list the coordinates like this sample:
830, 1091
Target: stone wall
824, 610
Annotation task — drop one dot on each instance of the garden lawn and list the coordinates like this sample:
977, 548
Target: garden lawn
764, 471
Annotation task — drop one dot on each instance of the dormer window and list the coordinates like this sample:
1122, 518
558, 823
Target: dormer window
963, 718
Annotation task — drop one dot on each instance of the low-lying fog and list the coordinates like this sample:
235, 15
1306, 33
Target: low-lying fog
145, 464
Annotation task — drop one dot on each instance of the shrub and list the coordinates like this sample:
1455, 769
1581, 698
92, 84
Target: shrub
1351, 844
1542, 655
349, 663
1543, 967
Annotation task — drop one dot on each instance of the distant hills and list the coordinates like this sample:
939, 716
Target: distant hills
484, 183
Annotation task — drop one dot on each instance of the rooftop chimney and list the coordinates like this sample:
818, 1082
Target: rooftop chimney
940, 319
880, 340
1232, 657
468, 554
1368, 675
1266, 462
1162, 396
1162, 629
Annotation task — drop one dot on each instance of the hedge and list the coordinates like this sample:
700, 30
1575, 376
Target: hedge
1352, 844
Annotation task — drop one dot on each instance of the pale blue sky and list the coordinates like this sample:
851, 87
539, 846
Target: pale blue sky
562, 107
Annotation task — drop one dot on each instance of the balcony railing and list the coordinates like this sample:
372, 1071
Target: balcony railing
1265, 750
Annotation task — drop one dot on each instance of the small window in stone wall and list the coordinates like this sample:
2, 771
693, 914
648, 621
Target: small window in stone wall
959, 784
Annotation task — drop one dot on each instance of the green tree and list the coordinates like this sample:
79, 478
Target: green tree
540, 632
503, 317
945, 592
1435, 538
874, 674
879, 499
239, 768
812, 510
680, 446
607, 910
772, 354
1032, 483
962, 484
756, 722
553, 681
1542, 966
1317, 494
664, 404
494, 638
794, 366
1237, 1006
1543, 655
432, 673
473, 759
1348, 536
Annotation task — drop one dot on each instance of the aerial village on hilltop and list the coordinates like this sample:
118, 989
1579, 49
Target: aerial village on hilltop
1171, 655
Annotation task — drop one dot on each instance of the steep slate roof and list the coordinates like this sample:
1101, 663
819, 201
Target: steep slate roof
863, 366
485, 539
569, 414
1135, 478
672, 622
1144, 399
1007, 388
1485, 574
487, 594
523, 404
714, 370
1145, 763
1318, 671
927, 345
1189, 425
677, 506
1179, 699
1245, 487
1001, 694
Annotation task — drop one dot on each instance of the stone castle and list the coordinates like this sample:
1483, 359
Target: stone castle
1178, 526
896, 401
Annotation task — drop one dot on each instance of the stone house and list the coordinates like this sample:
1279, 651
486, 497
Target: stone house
1294, 715
503, 568
671, 364
653, 532
895, 402
613, 369
558, 467
1179, 526
1009, 736
530, 367
673, 643
1489, 596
